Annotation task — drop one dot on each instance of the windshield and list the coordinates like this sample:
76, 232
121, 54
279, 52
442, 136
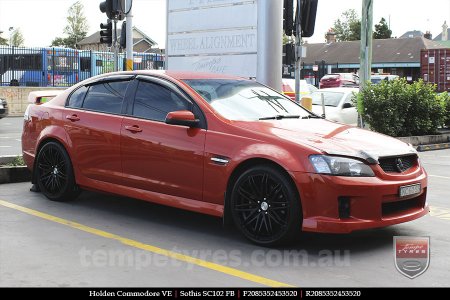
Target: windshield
242, 100
330, 98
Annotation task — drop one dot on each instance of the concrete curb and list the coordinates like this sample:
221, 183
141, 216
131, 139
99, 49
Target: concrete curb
431, 147
426, 139
14, 174
7, 159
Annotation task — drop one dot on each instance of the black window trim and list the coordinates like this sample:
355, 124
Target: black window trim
172, 87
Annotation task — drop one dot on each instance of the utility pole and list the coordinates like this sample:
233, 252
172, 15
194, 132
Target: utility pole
298, 51
115, 47
129, 34
366, 47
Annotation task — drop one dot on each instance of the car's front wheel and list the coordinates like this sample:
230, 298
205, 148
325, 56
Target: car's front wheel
54, 173
265, 206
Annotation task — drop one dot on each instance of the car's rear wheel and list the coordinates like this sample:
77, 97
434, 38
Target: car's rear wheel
54, 173
265, 206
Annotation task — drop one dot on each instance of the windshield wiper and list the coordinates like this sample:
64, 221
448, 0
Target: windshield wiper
280, 117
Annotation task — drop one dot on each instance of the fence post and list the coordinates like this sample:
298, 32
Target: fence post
53, 67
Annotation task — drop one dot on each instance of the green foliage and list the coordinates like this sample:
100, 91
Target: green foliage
17, 39
76, 28
397, 108
382, 30
445, 101
348, 26
18, 161
3, 41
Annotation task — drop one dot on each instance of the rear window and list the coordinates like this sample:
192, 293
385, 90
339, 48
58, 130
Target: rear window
106, 97
331, 76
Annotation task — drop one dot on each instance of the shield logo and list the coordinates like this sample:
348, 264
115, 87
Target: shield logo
412, 255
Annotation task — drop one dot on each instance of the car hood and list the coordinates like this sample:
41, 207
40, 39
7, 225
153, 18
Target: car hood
332, 138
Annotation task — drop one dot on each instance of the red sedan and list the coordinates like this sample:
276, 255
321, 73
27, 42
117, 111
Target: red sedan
223, 146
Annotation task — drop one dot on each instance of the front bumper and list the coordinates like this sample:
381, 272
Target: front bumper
373, 202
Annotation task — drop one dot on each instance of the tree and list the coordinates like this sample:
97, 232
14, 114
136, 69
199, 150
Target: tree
17, 39
76, 28
349, 28
3, 41
382, 30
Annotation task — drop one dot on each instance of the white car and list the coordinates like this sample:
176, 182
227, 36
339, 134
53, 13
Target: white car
338, 104
289, 88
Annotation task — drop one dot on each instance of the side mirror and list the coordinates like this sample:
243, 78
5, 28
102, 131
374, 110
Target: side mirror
347, 105
182, 118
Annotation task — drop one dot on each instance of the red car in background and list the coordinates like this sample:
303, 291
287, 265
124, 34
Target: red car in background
223, 146
339, 80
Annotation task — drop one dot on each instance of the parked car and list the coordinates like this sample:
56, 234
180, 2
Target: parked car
376, 79
223, 146
338, 105
289, 88
339, 80
3, 108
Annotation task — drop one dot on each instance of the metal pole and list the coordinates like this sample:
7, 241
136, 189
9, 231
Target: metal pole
129, 29
298, 53
366, 47
270, 28
115, 44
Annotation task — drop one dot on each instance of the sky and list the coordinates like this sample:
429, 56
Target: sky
42, 20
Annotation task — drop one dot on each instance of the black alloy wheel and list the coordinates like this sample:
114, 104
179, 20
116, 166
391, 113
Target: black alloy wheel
266, 207
54, 173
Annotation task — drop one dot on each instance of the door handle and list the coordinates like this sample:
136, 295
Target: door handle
133, 129
73, 118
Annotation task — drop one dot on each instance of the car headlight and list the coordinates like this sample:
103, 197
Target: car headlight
340, 166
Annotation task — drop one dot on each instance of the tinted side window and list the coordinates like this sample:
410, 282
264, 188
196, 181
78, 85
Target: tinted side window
348, 99
77, 97
106, 97
154, 102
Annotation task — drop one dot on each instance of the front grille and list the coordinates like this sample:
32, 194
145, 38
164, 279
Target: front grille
398, 164
398, 207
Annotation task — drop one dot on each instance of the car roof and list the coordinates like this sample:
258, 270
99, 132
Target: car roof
180, 75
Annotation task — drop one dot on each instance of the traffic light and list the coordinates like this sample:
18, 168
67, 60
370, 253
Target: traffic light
106, 33
123, 36
308, 17
289, 54
288, 17
114, 9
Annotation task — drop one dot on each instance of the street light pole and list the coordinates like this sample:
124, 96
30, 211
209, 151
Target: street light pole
10, 35
129, 35
298, 51
366, 47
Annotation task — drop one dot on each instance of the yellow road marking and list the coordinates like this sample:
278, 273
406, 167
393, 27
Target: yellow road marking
437, 176
136, 244
440, 212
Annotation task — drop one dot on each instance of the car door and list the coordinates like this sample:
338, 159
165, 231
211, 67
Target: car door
349, 114
156, 156
93, 120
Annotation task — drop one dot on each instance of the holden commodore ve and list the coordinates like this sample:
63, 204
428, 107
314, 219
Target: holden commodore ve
223, 146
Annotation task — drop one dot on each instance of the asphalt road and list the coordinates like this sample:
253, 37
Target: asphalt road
10, 136
102, 240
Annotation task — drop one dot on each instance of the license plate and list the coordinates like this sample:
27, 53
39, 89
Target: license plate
410, 189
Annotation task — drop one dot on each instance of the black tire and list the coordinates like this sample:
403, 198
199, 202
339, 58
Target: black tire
54, 173
266, 207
